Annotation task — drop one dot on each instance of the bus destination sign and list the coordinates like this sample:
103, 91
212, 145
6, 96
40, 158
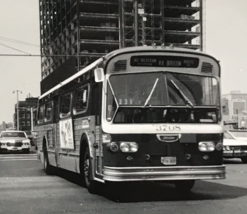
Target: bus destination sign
164, 61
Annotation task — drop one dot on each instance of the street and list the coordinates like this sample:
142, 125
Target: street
25, 188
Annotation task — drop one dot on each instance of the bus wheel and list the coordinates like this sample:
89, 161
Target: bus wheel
244, 159
90, 184
47, 166
185, 185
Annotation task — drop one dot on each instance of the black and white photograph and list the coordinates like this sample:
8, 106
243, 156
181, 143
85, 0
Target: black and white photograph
123, 106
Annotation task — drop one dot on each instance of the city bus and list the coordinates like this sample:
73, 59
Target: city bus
149, 113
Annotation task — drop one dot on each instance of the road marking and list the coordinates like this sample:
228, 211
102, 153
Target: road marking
18, 160
12, 156
18, 157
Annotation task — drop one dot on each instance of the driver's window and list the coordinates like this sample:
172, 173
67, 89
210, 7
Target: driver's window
111, 104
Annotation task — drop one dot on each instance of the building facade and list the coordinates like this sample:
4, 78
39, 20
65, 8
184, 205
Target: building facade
73, 33
235, 108
27, 114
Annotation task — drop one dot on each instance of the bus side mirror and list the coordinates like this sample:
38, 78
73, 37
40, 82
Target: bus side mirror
99, 74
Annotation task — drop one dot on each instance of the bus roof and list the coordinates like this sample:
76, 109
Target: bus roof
118, 52
154, 48
76, 75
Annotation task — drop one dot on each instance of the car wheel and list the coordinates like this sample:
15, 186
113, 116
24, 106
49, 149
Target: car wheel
244, 159
86, 172
185, 185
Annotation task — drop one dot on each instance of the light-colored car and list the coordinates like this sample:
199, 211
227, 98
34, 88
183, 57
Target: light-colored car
234, 148
14, 141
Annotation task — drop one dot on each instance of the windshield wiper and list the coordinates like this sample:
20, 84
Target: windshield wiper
151, 93
188, 102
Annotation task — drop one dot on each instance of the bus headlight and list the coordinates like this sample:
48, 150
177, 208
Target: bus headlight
219, 146
206, 146
129, 147
113, 147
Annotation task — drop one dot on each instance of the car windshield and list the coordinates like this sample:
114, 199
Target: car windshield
13, 134
129, 95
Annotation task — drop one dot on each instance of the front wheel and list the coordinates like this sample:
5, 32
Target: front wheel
185, 185
47, 166
90, 184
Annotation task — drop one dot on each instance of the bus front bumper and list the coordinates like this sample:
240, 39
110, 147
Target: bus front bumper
163, 173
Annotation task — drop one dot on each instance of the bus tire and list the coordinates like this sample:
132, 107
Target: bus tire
244, 159
184, 185
86, 172
47, 167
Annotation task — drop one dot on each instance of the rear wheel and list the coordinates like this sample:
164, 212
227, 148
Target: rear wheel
185, 185
244, 159
86, 172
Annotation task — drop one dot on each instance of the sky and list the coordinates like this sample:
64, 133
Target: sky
225, 36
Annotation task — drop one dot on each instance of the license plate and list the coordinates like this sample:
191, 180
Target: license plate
14, 148
169, 160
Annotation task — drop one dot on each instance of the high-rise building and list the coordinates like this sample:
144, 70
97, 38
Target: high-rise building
73, 33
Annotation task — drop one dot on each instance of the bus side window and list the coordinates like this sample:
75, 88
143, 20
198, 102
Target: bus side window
81, 99
65, 105
48, 111
41, 114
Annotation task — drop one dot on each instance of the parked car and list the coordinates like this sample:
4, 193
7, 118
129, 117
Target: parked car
14, 141
234, 148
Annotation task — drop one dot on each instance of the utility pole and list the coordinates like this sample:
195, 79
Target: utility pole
31, 110
17, 107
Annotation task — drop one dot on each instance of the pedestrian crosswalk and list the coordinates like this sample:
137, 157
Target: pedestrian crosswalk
19, 157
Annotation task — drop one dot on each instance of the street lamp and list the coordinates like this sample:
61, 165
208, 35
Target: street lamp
17, 105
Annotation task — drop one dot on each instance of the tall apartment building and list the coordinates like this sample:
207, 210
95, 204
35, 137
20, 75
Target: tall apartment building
73, 33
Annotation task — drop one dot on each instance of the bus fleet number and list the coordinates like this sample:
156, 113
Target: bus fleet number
166, 128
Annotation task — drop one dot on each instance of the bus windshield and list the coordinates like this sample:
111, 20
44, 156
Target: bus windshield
161, 90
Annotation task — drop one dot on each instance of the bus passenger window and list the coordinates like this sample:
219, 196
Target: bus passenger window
65, 105
48, 111
81, 99
41, 114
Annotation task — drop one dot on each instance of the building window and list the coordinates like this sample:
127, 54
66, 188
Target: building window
28, 116
23, 123
28, 123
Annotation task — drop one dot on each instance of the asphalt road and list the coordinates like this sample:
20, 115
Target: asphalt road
25, 188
